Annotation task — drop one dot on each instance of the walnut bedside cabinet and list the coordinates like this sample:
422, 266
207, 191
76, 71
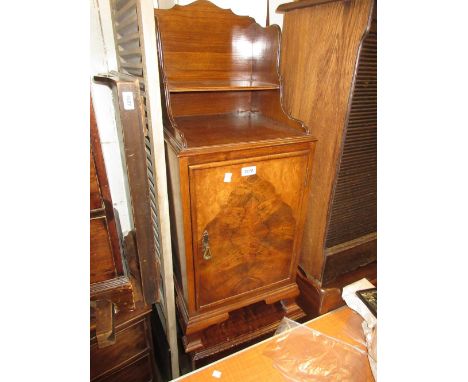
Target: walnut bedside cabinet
238, 165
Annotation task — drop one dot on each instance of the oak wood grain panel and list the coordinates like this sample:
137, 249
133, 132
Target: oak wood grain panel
267, 203
318, 59
297, 4
102, 265
129, 343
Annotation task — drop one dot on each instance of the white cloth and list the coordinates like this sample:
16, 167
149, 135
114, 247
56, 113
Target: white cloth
369, 325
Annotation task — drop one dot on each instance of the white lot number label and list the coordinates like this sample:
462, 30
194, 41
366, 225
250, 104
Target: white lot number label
246, 171
128, 100
227, 177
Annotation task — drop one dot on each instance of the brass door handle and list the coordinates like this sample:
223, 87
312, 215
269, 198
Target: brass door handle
206, 246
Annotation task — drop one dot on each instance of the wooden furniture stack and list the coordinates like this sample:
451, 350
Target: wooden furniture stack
130, 357
124, 273
240, 170
110, 285
329, 68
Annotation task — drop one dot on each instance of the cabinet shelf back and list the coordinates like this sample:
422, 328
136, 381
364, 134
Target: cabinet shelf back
232, 48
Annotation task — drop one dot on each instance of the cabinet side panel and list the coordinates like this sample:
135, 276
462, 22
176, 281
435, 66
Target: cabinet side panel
265, 58
319, 52
177, 219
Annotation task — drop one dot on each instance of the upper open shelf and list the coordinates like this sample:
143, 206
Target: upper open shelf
220, 78
219, 85
233, 128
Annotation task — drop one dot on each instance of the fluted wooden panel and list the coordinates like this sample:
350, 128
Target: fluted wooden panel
354, 207
129, 54
135, 44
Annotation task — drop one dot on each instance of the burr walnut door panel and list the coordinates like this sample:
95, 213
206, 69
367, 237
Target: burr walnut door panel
245, 215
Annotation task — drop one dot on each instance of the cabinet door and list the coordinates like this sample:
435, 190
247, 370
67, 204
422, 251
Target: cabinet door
245, 216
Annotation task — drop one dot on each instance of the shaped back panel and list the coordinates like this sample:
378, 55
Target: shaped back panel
201, 42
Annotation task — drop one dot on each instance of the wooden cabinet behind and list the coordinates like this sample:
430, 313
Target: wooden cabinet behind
239, 166
329, 66
105, 251
121, 342
108, 277
131, 358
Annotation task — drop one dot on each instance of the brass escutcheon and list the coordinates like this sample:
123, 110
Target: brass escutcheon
206, 246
